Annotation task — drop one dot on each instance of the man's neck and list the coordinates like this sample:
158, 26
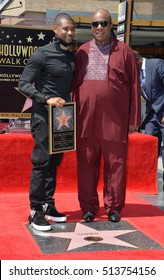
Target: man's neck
103, 44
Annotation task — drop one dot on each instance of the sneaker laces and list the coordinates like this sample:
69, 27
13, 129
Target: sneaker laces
45, 206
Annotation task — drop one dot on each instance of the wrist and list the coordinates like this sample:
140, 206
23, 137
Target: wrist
45, 99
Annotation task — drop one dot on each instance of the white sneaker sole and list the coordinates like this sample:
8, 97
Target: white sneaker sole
56, 219
41, 228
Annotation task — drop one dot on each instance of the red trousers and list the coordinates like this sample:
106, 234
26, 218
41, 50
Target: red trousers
89, 152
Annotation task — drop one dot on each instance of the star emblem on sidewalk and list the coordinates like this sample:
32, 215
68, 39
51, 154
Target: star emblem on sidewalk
84, 235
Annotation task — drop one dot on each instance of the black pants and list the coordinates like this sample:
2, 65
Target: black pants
43, 177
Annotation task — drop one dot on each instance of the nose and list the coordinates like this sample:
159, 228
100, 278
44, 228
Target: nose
70, 31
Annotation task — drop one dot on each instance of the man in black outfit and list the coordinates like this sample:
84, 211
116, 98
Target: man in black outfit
47, 79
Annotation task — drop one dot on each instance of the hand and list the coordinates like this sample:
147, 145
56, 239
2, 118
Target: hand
56, 101
133, 128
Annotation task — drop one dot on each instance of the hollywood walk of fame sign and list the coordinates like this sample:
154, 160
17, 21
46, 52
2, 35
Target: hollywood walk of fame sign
62, 128
17, 43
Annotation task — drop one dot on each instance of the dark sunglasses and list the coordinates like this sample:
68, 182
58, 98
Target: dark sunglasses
103, 23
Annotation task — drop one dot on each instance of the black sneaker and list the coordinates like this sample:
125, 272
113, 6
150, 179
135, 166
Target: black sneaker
52, 214
38, 221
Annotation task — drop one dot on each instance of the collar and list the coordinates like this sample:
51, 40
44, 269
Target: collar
143, 64
104, 44
59, 45
64, 48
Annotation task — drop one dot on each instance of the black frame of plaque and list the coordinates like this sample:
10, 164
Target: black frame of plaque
62, 128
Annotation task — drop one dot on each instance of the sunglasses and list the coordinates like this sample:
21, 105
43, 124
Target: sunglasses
103, 23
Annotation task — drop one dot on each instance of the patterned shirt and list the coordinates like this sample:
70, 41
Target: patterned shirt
98, 55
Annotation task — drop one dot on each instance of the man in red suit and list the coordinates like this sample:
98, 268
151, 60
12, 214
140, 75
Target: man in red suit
107, 93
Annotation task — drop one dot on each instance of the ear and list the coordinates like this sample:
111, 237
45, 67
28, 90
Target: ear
54, 29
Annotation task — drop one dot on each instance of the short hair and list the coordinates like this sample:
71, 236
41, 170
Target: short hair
61, 16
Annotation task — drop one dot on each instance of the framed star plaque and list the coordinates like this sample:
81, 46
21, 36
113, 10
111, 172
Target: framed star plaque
62, 128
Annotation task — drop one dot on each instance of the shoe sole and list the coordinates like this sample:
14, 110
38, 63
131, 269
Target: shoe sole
56, 219
114, 221
41, 228
88, 220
